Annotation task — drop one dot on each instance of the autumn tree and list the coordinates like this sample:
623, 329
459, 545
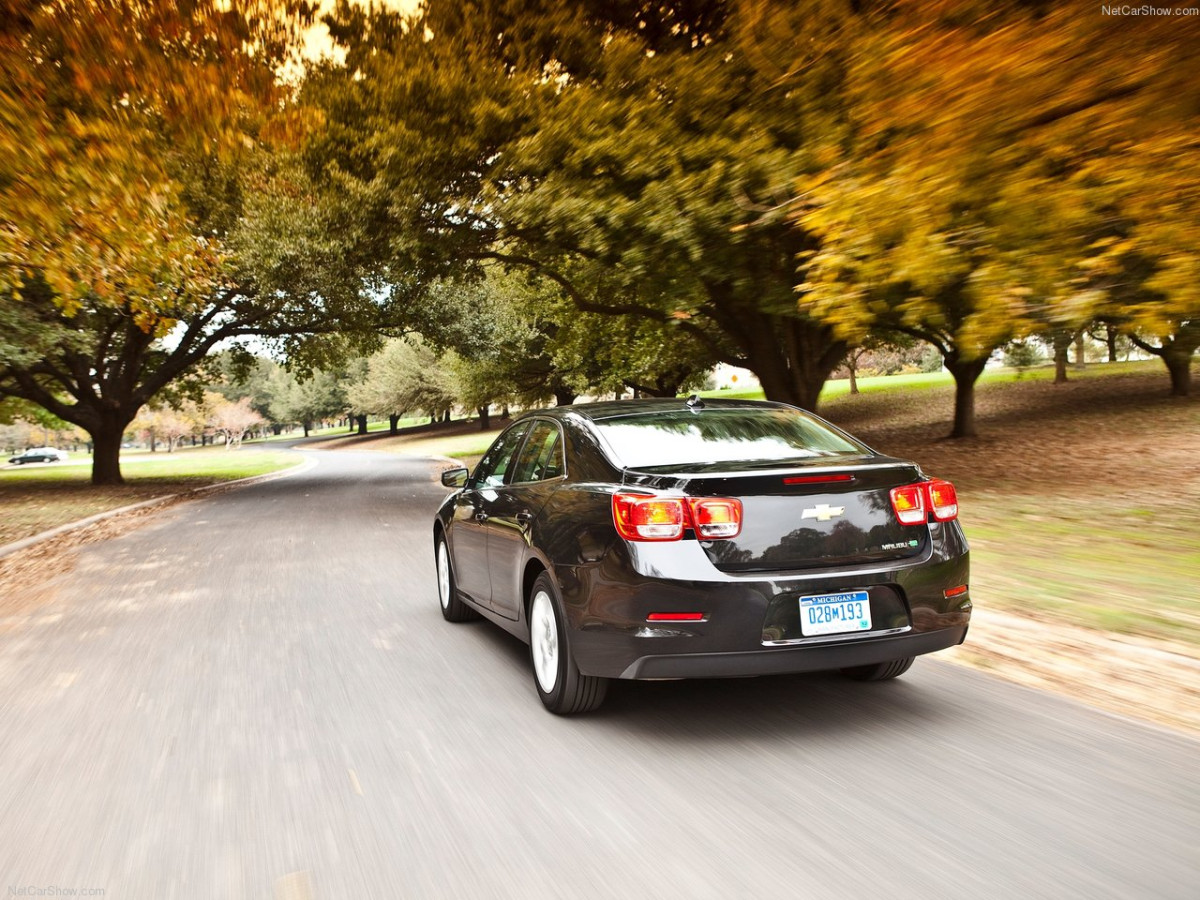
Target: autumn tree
162, 423
1008, 169
232, 419
150, 209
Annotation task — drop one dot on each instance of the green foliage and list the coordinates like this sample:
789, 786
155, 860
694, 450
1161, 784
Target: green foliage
1021, 355
633, 155
317, 398
153, 210
406, 376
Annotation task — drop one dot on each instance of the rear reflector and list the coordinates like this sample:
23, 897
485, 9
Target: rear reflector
909, 504
676, 617
955, 591
818, 479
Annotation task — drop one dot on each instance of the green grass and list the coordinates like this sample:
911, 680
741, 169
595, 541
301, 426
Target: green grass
35, 499
927, 380
1104, 564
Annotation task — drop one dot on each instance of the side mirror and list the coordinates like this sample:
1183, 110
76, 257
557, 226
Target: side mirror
455, 478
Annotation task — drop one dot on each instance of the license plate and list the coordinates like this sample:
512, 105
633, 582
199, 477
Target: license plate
835, 613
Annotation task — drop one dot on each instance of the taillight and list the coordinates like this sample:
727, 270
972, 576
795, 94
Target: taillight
641, 517
716, 517
943, 500
937, 496
909, 504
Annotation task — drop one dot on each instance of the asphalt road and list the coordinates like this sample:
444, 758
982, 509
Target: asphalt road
255, 696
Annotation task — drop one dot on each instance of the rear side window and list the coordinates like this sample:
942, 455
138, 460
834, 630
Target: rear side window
498, 461
721, 435
541, 457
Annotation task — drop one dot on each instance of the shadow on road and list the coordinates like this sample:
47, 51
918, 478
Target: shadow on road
810, 706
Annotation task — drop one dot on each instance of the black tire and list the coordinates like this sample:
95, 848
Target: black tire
453, 608
564, 690
883, 671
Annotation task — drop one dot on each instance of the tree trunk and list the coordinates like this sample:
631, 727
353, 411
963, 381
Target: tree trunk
306, 429
1081, 349
361, 421
1061, 344
792, 357
965, 375
564, 396
393, 423
1176, 353
1110, 338
106, 457
1179, 366
485, 417
850, 365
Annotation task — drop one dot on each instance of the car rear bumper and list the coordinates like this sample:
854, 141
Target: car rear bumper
794, 659
618, 625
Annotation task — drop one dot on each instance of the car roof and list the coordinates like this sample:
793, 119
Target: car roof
609, 409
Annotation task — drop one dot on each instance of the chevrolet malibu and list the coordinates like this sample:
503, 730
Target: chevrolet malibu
653, 539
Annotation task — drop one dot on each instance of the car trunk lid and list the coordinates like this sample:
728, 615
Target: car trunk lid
803, 515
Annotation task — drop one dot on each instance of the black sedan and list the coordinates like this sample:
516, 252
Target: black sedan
38, 455
652, 539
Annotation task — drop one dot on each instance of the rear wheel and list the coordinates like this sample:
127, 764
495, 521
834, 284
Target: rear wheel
880, 671
453, 608
563, 689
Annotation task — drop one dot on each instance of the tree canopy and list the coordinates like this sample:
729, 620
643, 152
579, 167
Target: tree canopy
1007, 169
622, 151
152, 207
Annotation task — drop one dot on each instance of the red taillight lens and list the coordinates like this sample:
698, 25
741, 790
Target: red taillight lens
642, 518
937, 496
943, 500
909, 504
716, 517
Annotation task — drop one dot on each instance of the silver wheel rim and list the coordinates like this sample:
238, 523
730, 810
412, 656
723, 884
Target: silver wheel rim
543, 641
443, 566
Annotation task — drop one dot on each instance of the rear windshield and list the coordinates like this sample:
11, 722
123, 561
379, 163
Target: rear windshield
720, 435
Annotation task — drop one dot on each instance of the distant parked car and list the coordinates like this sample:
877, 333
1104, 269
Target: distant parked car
38, 454
654, 539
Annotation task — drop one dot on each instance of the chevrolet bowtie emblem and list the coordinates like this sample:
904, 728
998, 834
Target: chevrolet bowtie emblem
823, 513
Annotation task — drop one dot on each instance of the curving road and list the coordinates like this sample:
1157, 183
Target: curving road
255, 696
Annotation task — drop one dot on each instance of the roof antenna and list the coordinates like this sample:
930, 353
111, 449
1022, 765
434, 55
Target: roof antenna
694, 402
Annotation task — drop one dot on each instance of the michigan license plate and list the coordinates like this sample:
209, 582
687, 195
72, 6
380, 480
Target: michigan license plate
835, 613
